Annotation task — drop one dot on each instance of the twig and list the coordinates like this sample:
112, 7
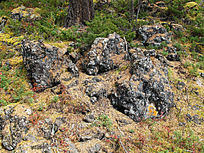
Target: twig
123, 146
122, 134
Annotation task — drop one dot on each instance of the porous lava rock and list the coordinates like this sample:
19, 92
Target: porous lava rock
104, 54
154, 35
42, 64
172, 54
13, 128
146, 93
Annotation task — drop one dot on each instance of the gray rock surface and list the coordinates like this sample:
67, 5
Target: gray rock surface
154, 35
12, 129
103, 55
147, 92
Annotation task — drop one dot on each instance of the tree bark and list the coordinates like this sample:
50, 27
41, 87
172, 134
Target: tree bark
138, 10
79, 12
132, 12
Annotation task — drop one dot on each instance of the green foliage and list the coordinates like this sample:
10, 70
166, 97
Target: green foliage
41, 106
178, 34
186, 142
170, 74
132, 131
187, 64
178, 46
55, 99
104, 24
164, 53
12, 83
200, 65
103, 121
193, 71
3, 102
197, 31
183, 39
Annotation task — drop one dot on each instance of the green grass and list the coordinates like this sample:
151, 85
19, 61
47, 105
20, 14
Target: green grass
13, 83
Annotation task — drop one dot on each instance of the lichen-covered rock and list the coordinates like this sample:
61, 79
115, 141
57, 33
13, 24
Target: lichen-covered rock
147, 92
13, 129
172, 54
104, 54
154, 35
42, 64
23, 12
95, 89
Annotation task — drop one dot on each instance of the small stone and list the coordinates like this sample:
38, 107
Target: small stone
107, 135
95, 148
89, 118
154, 35
196, 119
101, 59
30, 137
48, 121
199, 82
173, 57
28, 111
202, 74
59, 121
188, 117
93, 100
182, 124
72, 147
180, 85
85, 138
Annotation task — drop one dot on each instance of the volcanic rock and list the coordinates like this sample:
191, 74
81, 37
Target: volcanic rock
42, 64
154, 35
104, 54
147, 92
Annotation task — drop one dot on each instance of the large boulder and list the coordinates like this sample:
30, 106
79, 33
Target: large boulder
42, 64
154, 35
104, 54
146, 93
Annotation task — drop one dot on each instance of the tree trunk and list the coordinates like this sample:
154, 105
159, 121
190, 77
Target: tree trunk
79, 12
132, 12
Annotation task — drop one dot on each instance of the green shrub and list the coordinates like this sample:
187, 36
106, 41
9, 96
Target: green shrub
3, 102
187, 64
178, 46
164, 53
104, 24
103, 121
